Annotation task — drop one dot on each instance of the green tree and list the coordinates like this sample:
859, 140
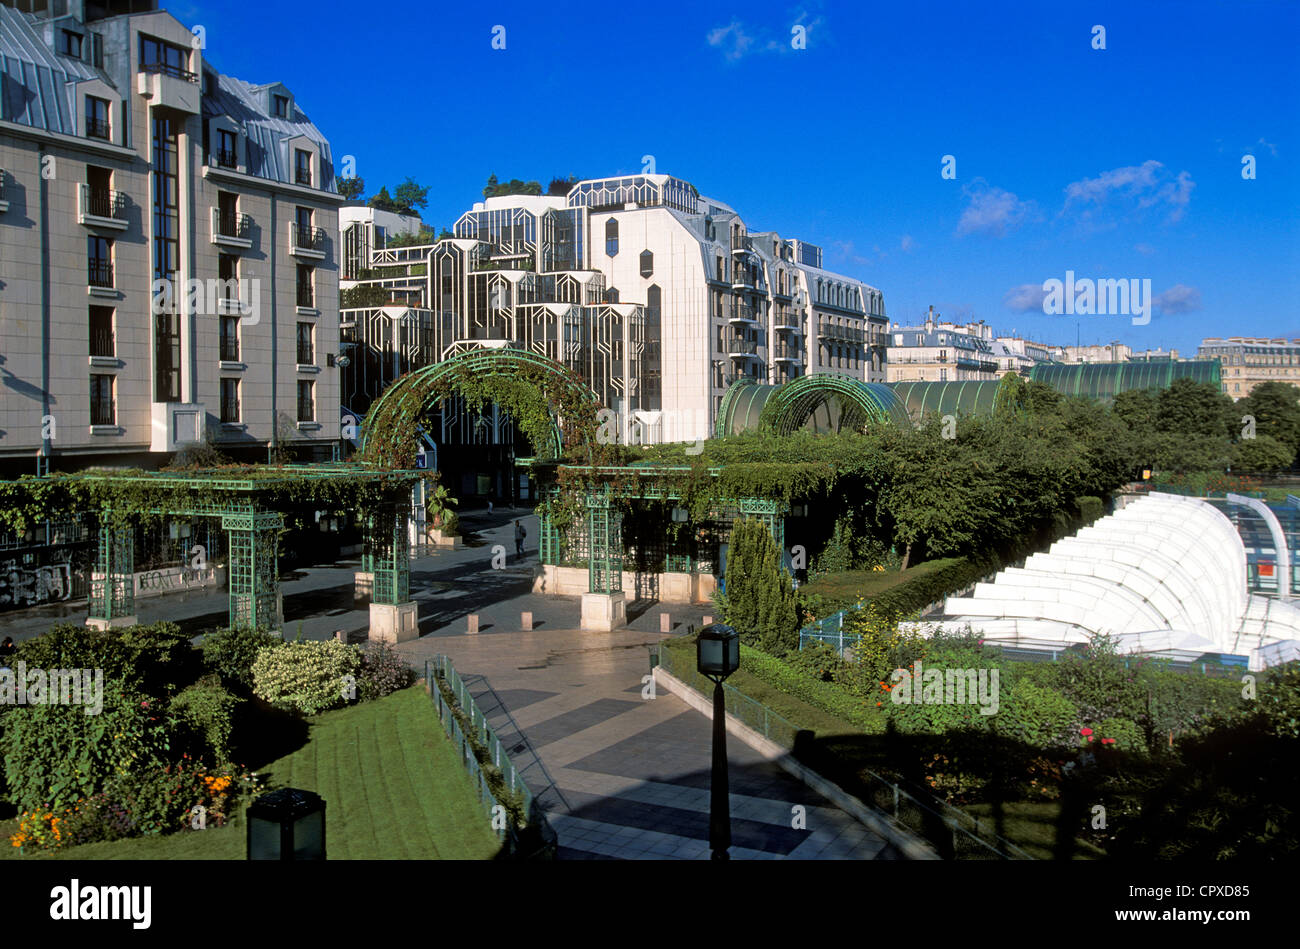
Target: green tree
1276, 410
410, 196
1188, 407
559, 187
383, 201
759, 601
351, 188
1261, 453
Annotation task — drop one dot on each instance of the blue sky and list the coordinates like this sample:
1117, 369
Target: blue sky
1117, 163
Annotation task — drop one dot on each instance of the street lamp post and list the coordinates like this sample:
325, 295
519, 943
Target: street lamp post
718, 656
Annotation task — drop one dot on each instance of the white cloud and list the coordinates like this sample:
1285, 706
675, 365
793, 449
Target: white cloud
992, 210
1146, 250
1026, 298
1133, 187
907, 243
736, 40
1179, 298
1269, 145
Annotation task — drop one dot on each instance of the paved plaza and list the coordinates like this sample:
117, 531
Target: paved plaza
620, 776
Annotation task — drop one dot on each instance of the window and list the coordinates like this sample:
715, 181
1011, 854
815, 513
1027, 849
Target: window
647, 264
306, 401
280, 106
302, 167
102, 411
229, 338
99, 261
226, 149
157, 56
99, 186
611, 238
228, 274
306, 347
611, 295
97, 50
305, 280
230, 400
97, 118
101, 331
228, 221
70, 43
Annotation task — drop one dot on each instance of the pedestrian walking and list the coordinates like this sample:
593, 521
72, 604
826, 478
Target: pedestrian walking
520, 534
489, 507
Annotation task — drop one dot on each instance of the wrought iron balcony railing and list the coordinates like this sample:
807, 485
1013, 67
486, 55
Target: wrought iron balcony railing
101, 342
101, 202
225, 158
97, 128
307, 238
170, 69
100, 273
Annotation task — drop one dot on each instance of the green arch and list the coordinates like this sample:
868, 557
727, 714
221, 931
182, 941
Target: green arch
742, 407
388, 435
826, 402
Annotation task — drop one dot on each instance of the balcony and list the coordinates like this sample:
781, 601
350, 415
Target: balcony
103, 412
306, 241
169, 87
98, 128
229, 348
742, 245
788, 322
231, 229
100, 274
99, 207
4, 202
302, 176
305, 297
844, 334
101, 344
787, 354
743, 279
225, 158
742, 347
742, 313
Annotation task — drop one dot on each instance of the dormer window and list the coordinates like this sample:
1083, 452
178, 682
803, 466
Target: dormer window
280, 106
70, 43
157, 56
302, 167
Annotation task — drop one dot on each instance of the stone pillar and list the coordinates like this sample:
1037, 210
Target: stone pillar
112, 584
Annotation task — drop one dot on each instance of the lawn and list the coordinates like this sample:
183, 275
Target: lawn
392, 784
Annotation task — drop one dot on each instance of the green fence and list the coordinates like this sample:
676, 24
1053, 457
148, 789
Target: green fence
440, 669
953, 833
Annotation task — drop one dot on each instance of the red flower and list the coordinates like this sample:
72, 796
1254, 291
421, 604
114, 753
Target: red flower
1085, 731
1108, 741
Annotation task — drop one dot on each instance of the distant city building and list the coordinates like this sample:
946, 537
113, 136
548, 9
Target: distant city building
657, 296
1248, 361
1114, 351
940, 351
167, 244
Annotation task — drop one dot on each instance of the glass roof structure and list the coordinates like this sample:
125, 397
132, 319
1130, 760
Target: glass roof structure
820, 403
982, 397
1104, 380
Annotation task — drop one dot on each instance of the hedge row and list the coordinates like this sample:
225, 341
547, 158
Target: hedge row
917, 593
826, 696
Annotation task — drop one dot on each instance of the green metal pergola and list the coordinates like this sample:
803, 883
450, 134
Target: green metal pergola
601, 536
247, 509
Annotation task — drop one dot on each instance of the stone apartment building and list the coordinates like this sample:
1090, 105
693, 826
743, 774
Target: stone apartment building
168, 248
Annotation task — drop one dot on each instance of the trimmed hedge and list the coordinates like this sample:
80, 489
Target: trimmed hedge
826, 696
915, 594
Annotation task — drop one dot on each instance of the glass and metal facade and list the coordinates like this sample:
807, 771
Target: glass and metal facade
1105, 380
645, 191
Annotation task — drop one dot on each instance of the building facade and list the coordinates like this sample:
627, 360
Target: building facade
169, 245
939, 351
1249, 361
658, 297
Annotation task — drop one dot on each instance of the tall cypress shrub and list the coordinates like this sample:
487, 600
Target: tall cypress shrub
759, 600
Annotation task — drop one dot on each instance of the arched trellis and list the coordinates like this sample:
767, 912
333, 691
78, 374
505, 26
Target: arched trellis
389, 434
831, 402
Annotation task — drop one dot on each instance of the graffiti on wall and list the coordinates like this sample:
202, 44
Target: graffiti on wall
30, 586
